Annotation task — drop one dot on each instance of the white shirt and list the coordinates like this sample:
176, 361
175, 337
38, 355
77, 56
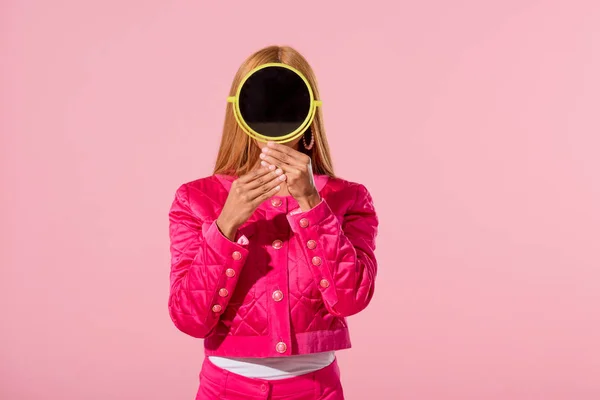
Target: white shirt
274, 367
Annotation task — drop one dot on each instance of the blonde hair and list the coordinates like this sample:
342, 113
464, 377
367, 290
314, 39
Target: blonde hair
238, 153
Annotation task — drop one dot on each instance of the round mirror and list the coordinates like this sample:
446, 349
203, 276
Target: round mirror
274, 102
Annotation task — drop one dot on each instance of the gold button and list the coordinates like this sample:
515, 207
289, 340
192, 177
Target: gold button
277, 244
281, 347
303, 222
277, 295
223, 292
230, 272
316, 261
236, 255
276, 202
324, 283
217, 308
311, 244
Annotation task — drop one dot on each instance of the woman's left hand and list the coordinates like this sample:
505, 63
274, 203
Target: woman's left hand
297, 167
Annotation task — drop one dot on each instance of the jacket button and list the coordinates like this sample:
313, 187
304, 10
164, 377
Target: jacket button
223, 292
277, 244
303, 222
217, 308
263, 388
311, 244
276, 202
277, 295
316, 261
236, 255
324, 283
230, 272
281, 347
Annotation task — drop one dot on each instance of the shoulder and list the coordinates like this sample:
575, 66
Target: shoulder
202, 195
347, 191
203, 184
199, 187
339, 184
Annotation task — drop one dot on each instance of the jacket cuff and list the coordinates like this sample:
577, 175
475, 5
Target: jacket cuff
221, 244
310, 228
233, 256
314, 216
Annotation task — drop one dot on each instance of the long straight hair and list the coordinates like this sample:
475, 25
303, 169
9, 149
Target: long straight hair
238, 152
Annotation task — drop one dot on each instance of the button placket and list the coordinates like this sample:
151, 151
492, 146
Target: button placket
277, 279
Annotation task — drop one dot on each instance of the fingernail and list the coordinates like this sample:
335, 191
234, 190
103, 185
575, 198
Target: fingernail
262, 155
278, 172
282, 178
271, 167
277, 187
264, 164
269, 144
265, 149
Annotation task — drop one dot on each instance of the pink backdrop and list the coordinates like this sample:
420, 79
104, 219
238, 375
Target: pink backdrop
473, 123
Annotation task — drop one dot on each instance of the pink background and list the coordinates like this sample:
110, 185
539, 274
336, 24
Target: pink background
473, 123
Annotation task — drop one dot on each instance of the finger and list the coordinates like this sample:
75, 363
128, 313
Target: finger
267, 165
268, 189
292, 174
283, 164
286, 157
252, 175
279, 157
263, 179
293, 153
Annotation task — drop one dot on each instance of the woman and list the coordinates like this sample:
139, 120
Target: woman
269, 255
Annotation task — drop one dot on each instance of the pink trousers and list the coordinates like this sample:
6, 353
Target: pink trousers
219, 384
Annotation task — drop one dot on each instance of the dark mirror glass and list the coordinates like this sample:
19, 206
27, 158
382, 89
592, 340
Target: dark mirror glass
274, 101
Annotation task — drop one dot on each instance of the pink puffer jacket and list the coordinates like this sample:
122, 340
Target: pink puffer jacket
289, 280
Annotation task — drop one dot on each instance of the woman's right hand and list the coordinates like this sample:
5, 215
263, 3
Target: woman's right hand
246, 194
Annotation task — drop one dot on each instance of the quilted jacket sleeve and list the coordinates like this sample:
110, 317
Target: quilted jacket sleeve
205, 266
341, 255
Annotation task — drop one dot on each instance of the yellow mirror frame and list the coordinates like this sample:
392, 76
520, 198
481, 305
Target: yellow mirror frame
281, 139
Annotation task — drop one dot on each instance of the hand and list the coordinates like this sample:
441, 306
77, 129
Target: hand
298, 170
246, 194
